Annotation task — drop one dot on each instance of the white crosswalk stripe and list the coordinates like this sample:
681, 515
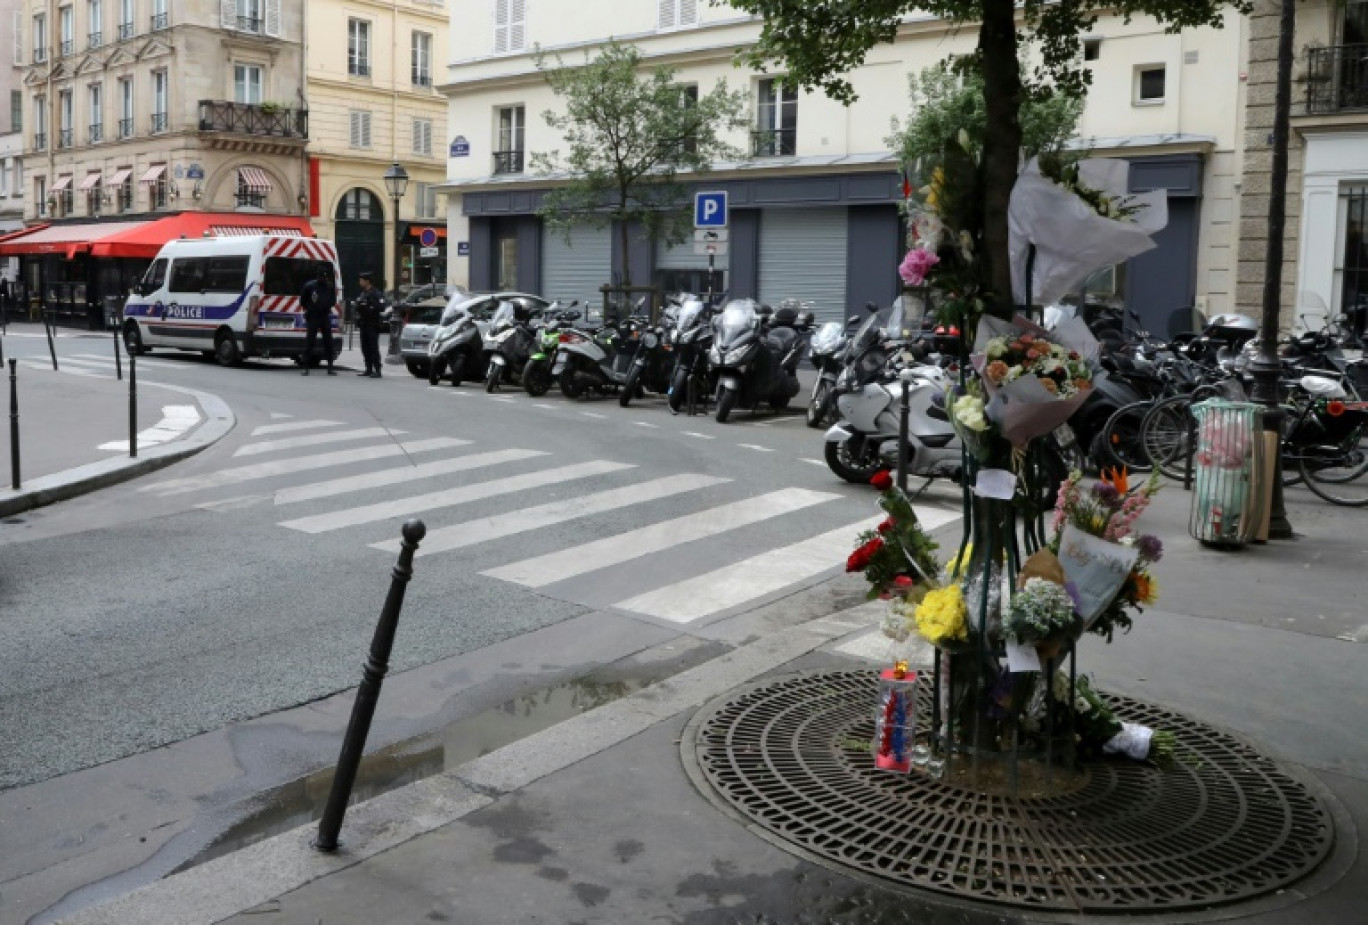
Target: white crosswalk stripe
614, 550
300, 464
423, 504
94, 359
482, 531
401, 476
292, 443
266, 430
766, 573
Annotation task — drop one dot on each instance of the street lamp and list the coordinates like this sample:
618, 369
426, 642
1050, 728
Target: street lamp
396, 182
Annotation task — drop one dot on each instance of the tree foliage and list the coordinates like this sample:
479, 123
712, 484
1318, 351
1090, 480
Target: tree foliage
628, 136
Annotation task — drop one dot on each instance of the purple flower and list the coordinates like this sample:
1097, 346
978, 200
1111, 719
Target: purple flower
1106, 493
916, 265
1151, 548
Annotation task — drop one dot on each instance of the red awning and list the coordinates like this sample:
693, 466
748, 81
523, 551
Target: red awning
254, 179
141, 239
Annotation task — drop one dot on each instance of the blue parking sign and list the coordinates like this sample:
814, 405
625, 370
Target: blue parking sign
710, 210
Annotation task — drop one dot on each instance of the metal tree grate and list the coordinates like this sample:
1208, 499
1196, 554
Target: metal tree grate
1224, 825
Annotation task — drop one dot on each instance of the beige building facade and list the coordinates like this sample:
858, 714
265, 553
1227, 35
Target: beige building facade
371, 76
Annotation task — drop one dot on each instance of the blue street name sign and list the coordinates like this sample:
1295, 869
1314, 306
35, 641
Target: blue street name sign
460, 147
710, 210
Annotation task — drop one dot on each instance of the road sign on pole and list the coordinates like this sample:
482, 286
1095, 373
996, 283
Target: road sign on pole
710, 235
710, 210
711, 248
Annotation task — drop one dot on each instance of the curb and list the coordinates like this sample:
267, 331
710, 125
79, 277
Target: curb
62, 486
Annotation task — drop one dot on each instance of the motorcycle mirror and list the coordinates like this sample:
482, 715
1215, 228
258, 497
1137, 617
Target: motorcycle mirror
871, 307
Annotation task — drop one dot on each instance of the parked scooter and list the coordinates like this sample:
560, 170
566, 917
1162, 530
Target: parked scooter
508, 345
536, 378
457, 347
653, 360
753, 361
692, 337
826, 351
593, 358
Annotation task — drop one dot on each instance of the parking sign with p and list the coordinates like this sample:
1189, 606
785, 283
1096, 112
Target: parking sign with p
710, 210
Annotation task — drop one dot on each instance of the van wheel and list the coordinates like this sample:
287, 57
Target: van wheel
133, 339
226, 350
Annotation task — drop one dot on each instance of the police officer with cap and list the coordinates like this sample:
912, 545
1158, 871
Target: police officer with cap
370, 308
318, 298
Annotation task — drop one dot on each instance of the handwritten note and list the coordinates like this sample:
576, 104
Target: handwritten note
995, 483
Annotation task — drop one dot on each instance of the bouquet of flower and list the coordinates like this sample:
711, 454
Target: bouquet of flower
1095, 538
1041, 612
897, 555
1033, 379
1100, 732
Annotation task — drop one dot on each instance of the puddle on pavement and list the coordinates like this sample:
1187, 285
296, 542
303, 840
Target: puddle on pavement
301, 802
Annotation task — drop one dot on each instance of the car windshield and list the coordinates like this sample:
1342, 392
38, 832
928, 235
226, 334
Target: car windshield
738, 317
426, 314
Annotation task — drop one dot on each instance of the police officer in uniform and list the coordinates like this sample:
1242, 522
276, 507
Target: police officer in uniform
318, 297
369, 309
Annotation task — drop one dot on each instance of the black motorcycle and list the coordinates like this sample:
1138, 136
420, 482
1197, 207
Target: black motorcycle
754, 359
692, 339
653, 361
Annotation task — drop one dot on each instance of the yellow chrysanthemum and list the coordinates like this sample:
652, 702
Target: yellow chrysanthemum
940, 616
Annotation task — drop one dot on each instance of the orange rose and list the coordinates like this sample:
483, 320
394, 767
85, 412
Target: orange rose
996, 371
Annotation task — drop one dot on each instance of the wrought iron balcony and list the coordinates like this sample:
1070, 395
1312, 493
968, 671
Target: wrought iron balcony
65, 138
160, 21
158, 122
67, 47
774, 142
125, 30
125, 128
249, 24
1336, 78
508, 161
40, 141
96, 134
96, 39
253, 119
252, 200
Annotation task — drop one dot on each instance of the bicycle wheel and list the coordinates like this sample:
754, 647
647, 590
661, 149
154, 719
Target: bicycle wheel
1337, 474
1119, 443
1166, 435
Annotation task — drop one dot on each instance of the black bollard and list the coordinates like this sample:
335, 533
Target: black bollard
14, 423
118, 361
905, 377
368, 694
133, 405
52, 348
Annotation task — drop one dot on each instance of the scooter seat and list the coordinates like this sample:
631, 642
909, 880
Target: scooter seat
781, 339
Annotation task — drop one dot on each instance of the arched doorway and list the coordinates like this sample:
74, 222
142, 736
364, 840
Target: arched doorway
359, 227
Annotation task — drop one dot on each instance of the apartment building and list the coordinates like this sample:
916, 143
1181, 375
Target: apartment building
369, 108
814, 208
136, 112
11, 140
1326, 240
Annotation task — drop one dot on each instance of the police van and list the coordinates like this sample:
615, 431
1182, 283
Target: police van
231, 297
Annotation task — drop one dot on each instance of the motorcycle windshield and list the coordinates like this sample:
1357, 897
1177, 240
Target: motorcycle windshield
503, 318
688, 315
738, 320
828, 337
452, 315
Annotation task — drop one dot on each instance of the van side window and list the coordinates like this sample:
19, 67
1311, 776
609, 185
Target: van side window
287, 275
187, 274
227, 274
155, 276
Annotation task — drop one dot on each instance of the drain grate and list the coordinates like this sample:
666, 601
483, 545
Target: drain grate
1224, 825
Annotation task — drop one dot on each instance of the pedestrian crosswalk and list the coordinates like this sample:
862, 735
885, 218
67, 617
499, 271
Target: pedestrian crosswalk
679, 547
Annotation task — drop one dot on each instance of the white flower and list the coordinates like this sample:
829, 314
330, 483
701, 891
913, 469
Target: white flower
997, 349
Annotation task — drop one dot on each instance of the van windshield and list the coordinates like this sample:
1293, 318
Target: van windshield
287, 275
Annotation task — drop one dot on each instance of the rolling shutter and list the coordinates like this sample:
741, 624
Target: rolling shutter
803, 256
576, 270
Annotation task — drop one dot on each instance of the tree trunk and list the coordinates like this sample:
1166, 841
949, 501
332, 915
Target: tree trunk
624, 240
1001, 145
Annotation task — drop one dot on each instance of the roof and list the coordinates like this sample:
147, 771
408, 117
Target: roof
143, 238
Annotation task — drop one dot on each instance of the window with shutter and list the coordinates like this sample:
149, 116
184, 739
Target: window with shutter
675, 14
228, 14
422, 136
667, 13
19, 39
517, 25
273, 17
500, 26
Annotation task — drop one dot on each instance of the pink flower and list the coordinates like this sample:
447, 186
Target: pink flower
916, 265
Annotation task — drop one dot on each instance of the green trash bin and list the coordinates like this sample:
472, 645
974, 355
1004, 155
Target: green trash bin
1227, 468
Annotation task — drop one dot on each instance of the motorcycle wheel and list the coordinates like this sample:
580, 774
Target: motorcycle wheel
817, 407
435, 370
492, 378
679, 389
858, 471
629, 388
568, 386
457, 367
726, 400
536, 379
779, 404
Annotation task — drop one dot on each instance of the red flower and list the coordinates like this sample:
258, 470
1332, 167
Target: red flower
904, 581
860, 558
882, 480
887, 526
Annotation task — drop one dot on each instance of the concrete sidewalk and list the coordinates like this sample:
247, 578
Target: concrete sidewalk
596, 820
74, 423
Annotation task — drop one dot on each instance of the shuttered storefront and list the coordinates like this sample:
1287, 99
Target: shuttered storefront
682, 257
803, 256
577, 268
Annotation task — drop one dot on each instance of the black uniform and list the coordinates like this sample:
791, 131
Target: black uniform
318, 298
369, 309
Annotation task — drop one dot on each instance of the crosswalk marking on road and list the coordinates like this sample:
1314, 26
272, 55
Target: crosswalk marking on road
291, 426
477, 491
729, 586
94, 359
176, 420
690, 433
502, 525
401, 475
614, 550
300, 464
337, 436
755, 446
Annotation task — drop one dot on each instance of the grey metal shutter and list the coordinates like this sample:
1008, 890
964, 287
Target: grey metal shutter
803, 256
576, 269
682, 257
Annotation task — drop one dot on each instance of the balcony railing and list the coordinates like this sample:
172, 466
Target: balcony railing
96, 39
67, 47
252, 119
39, 55
40, 141
65, 138
508, 161
125, 30
775, 142
160, 21
125, 128
1336, 78
249, 24
158, 122
96, 134
251, 200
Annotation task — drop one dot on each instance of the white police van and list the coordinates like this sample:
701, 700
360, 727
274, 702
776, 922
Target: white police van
230, 297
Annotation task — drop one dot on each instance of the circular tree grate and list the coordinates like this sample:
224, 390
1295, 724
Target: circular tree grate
1225, 824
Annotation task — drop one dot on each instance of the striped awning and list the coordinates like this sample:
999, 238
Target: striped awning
62, 183
153, 173
120, 176
91, 181
229, 231
254, 179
